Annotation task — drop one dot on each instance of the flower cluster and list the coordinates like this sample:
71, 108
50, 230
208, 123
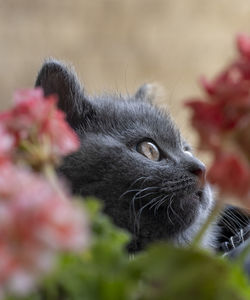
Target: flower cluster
35, 223
37, 217
223, 124
35, 130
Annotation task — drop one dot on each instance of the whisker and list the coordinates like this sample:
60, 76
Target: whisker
132, 205
138, 216
238, 220
135, 190
168, 215
158, 205
157, 202
229, 226
175, 213
176, 188
179, 181
127, 192
135, 197
132, 184
146, 195
140, 192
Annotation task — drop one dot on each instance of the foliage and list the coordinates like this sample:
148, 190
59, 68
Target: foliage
106, 271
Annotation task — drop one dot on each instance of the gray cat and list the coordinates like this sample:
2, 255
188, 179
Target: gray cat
134, 159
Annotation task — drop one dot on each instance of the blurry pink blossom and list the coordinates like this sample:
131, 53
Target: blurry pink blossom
35, 223
36, 120
6, 144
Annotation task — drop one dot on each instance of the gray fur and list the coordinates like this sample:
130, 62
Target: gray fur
154, 200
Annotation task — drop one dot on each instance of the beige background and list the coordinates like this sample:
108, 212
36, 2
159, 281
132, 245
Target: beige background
118, 45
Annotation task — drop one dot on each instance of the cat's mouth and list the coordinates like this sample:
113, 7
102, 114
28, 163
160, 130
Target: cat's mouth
199, 194
190, 194
196, 197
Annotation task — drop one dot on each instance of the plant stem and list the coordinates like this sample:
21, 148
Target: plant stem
214, 213
50, 174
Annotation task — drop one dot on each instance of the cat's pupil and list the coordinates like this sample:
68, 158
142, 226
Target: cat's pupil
149, 150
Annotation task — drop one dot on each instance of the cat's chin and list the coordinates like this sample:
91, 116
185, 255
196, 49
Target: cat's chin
167, 225
201, 197
193, 200
185, 207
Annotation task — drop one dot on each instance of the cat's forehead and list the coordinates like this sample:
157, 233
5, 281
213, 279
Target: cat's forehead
140, 119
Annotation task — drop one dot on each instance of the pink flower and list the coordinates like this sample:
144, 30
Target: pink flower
35, 223
36, 120
6, 144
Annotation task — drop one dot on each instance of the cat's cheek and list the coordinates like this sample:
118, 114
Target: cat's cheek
208, 197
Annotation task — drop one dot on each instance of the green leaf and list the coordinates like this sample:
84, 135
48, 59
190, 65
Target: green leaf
185, 273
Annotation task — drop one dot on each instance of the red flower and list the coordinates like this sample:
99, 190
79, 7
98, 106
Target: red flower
243, 43
36, 121
209, 121
35, 223
223, 123
231, 174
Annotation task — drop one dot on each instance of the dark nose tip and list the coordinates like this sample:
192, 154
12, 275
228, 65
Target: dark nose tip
198, 169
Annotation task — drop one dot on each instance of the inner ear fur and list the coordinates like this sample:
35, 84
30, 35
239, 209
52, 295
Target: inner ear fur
57, 78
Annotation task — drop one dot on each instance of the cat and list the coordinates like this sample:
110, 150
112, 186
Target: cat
134, 159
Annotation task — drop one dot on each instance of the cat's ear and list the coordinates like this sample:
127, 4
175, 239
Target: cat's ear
149, 92
56, 78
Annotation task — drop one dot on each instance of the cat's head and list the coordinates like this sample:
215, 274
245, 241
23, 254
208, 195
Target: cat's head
132, 157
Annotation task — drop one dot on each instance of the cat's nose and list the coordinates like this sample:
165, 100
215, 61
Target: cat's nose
198, 169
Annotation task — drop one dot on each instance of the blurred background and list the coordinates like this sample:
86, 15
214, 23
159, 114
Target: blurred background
119, 45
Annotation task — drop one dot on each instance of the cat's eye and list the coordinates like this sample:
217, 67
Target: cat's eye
149, 150
187, 150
